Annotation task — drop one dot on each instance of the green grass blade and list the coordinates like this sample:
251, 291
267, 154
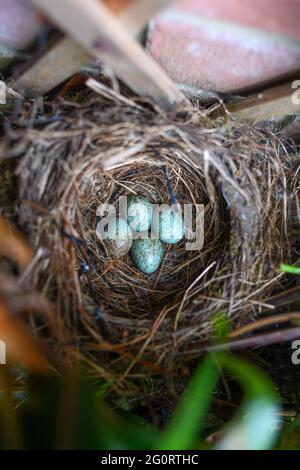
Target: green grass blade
254, 382
287, 268
189, 416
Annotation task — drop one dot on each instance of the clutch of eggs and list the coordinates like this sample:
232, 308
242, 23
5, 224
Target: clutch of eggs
147, 253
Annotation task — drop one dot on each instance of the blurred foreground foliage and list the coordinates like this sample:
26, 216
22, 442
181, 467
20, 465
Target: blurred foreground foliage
71, 413
47, 411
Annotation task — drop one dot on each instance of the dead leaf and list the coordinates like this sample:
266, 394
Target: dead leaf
13, 245
72, 84
20, 344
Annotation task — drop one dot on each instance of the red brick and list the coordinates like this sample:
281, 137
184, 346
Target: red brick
227, 45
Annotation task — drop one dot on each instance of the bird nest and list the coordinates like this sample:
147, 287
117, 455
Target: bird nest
121, 322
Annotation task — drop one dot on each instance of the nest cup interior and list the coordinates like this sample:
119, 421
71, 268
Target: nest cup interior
121, 288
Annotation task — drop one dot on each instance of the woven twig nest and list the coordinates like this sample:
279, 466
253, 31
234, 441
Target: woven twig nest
122, 322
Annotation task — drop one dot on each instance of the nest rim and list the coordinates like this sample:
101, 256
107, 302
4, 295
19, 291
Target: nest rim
225, 165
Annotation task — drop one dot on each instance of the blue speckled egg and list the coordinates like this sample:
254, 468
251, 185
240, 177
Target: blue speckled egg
139, 213
147, 254
118, 239
169, 225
